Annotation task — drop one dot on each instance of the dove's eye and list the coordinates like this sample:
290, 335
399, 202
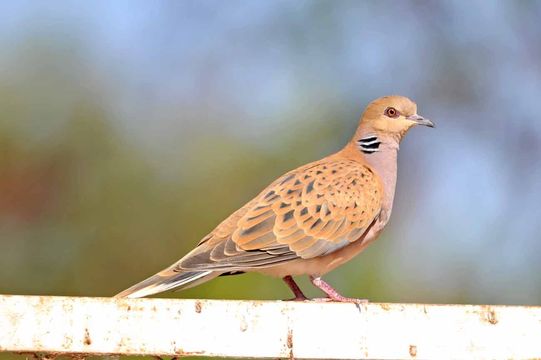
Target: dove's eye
392, 112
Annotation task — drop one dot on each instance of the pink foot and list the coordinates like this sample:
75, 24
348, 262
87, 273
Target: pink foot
332, 294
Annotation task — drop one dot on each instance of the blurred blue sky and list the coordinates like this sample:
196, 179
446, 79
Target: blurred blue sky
169, 74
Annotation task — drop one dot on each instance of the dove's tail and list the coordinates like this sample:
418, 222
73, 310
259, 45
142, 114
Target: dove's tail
167, 280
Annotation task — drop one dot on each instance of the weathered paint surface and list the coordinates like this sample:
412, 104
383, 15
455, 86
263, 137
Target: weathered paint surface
257, 329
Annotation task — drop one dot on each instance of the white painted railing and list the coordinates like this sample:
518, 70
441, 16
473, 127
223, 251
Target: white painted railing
267, 329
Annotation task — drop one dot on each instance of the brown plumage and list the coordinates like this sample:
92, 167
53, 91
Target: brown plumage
310, 220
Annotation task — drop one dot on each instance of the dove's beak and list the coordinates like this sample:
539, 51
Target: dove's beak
421, 120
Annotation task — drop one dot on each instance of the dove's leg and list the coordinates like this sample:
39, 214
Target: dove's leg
299, 296
332, 294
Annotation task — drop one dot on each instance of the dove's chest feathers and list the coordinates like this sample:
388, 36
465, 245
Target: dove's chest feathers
384, 162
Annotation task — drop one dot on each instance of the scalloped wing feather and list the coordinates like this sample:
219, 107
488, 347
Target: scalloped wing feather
309, 212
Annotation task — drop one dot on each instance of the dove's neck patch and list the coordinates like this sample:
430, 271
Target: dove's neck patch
369, 144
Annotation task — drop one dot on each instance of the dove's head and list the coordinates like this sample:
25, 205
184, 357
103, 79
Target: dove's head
392, 115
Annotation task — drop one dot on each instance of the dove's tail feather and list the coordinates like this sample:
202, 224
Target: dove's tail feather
167, 280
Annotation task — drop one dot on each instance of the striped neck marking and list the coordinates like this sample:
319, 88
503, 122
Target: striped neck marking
369, 144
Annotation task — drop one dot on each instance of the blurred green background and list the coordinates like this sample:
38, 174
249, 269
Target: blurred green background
129, 129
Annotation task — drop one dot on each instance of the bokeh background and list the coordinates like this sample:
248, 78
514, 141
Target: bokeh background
129, 129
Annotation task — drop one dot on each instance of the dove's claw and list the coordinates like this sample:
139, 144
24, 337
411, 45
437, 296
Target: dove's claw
332, 294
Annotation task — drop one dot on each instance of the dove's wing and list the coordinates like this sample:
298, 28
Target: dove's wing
308, 212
